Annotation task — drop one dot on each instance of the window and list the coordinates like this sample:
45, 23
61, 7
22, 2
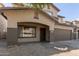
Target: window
50, 13
27, 31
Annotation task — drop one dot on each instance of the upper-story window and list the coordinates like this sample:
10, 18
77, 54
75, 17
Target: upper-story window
50, 13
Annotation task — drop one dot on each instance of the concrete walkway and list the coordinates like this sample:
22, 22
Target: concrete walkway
65, 48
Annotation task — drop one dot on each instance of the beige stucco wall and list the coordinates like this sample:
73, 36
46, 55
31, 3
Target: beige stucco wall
52, 9
15, 16
63, 27
77, 25
61, 20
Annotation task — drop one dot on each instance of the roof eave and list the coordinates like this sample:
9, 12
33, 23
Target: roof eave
55, 7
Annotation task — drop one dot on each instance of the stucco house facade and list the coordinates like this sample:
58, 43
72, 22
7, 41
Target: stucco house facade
25, 26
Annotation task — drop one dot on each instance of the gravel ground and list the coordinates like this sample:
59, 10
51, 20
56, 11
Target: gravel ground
62, 48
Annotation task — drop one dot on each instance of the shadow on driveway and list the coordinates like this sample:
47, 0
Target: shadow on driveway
38, 48
41, 49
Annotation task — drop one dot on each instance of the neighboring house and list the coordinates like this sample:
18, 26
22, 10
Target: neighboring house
25, 26
3, 24
3, 27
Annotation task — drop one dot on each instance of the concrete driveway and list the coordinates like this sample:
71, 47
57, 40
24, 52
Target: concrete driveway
73, 52
3, 48
46, 49
65, 48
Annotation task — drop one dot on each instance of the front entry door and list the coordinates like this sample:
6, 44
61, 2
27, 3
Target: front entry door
42, 34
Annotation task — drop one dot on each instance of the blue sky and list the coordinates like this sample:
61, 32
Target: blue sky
69, 10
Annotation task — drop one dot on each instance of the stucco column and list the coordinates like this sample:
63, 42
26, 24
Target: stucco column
51, 31
12, 33
51, 36
73, 35
76, 35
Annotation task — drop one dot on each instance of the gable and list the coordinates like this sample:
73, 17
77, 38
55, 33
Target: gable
52, 9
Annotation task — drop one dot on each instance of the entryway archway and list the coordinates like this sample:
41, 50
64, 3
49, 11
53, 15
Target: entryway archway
33, 32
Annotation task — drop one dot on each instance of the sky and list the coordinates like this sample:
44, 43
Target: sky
69, 10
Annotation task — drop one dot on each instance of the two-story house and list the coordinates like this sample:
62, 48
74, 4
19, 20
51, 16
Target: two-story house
25, 25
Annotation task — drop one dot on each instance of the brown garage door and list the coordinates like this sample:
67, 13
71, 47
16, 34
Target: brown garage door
62, 34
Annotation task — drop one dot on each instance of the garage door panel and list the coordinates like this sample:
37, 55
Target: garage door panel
62, 34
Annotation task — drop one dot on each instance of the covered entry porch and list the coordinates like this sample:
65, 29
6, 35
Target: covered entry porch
32, 32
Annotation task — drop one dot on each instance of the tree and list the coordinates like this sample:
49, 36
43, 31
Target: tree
32, 5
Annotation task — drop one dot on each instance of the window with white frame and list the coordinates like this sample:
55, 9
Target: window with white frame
28, 32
